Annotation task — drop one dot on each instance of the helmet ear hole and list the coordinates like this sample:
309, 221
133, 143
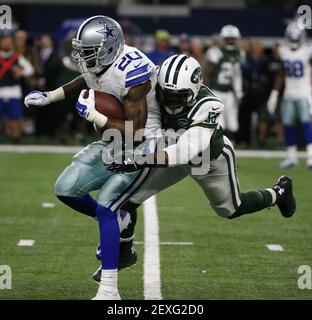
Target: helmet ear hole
110, 50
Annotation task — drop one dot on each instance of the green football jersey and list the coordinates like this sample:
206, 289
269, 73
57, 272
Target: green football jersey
223, 74
205, 113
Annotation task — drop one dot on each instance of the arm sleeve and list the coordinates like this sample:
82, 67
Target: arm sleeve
191, 143
28, 69
208, 115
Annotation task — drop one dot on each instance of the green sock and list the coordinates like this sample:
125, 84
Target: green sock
253, 201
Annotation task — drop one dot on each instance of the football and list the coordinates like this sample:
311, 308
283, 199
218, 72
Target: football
108, 105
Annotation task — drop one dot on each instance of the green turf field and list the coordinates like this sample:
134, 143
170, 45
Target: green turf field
228, 259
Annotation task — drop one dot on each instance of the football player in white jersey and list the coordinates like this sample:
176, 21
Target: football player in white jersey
295, 75
107, 65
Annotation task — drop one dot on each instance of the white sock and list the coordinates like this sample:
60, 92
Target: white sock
309, 150
273, 193
292, 153
109, 279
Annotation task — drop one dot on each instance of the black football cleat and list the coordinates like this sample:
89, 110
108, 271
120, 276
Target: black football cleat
127, 258
285, 199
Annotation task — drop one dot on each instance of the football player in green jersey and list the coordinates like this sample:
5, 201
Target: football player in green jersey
192, 112
223, 76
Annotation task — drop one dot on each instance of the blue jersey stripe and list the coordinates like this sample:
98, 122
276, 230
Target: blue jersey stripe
138, 80
137, 71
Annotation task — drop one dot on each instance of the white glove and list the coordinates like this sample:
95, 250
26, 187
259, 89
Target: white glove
272, 101
85, 105
37, 98
86, 109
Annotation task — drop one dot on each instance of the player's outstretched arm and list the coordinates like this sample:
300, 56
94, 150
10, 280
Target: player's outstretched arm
191, 143
70, 90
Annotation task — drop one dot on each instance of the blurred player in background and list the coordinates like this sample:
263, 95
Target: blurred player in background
14, 68
295, 76
223, 75
107, 65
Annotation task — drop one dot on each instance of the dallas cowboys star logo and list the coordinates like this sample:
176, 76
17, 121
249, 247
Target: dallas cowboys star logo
108, 32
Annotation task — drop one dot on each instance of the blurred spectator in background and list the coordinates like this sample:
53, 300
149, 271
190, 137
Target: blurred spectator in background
198, 52
14, 68
47, 72
216, 41
46, 59
184, 44
162, 47
46, 49
132, 33
25, 47
250, 104
268, 70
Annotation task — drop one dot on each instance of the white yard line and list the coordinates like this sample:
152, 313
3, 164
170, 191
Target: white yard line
274, 247
169, 243
266, 154
70, 150
47, 205
151, 251
38, 149
26, 243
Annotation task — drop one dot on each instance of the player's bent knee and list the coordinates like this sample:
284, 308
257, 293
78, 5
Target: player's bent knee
237, 213
66, 183
223, 212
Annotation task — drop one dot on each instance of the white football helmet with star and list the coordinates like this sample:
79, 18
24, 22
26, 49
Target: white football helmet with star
98, 42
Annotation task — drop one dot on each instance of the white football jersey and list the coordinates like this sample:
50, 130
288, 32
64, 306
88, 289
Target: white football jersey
131, 68
298, 71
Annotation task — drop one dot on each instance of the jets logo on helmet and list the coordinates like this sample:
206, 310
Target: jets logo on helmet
98, 42
179, 80
196, 75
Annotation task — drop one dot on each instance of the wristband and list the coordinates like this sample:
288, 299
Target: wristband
56, 95
97, 118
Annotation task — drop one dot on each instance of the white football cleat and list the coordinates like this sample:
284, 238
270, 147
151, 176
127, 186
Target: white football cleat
104, 294
288, 163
